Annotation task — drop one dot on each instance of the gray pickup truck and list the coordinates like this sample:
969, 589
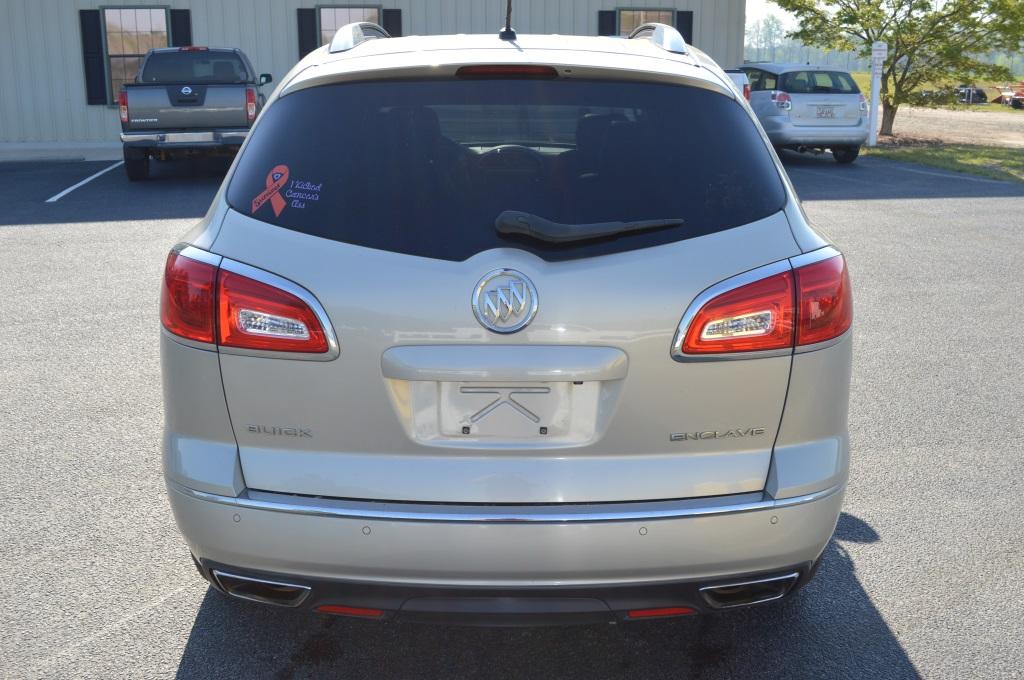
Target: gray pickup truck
188, 101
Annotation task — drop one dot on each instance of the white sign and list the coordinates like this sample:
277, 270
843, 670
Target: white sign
879, 51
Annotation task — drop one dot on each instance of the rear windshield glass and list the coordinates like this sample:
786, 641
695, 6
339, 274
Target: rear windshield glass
425, 167
820, 82
194, 67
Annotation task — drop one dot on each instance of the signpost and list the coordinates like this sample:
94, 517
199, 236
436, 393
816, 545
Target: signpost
879, 51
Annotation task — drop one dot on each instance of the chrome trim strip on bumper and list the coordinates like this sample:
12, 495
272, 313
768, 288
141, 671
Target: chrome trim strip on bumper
523, 514
234, 136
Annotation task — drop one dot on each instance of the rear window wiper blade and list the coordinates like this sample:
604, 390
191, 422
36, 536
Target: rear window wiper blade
527, 224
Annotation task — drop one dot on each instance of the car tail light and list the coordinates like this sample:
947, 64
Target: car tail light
343, 610
193, 48
250, 104
507, 71
187, 298
863, 104
255, 315
803, 306
746, 91
122, 104
659, 612
825, 301
782, 100
754, 317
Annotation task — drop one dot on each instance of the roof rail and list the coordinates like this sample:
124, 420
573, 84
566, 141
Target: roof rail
351, 35
662, 35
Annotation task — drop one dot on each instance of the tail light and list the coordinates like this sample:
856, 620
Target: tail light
205, 303
781, 310
863, 104
746, 91
782, 100
122, 104
250, 104
193, 48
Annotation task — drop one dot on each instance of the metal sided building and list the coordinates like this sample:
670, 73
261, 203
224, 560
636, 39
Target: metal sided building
62, 61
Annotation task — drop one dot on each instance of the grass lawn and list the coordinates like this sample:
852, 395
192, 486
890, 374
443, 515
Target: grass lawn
994, 162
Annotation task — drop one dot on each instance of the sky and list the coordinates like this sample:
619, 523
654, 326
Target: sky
758, 9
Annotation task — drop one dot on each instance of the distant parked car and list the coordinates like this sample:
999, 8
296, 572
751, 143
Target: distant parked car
740, 80
969, 94
188, 101
809, 108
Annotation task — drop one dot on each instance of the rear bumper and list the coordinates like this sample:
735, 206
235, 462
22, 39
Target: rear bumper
782, 132
529, 564
184, 140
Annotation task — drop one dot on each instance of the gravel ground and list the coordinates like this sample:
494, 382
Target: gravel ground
924, 577
1003, 127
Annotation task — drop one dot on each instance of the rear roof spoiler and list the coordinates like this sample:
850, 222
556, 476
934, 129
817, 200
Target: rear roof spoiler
663, 36
351, 35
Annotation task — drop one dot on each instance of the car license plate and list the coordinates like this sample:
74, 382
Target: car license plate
826, 111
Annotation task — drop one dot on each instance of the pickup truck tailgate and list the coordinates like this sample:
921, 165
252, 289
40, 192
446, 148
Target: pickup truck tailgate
184, 106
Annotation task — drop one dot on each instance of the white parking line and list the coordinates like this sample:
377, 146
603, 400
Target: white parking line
57, 197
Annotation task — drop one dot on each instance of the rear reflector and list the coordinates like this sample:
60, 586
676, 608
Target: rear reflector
256, 315
507, 71
250, 104
826, 301
660, 611
187, 298
746, 91
122, 105
343, 610
804, 306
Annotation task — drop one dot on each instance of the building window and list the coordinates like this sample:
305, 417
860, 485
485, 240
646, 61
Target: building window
130, 34
333, 18
629, 19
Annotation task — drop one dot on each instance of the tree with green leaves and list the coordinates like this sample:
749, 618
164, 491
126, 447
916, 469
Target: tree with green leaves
930, 41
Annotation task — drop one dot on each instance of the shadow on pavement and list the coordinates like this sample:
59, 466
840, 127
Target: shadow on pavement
177, 189
829, 629
818, 177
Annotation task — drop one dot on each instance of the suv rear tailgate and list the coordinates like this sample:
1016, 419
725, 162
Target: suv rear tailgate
186, 106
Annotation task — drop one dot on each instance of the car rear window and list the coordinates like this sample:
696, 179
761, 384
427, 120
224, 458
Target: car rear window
194, 67
819, 82
425, 167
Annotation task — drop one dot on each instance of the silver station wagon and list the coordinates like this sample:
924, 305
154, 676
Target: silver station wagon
507, 330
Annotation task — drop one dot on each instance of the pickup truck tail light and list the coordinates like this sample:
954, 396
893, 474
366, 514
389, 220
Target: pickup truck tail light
746, 91
250, 104
782, 100
122, 104
803, 306
204, 303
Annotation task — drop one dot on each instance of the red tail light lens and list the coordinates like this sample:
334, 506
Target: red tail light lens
804, 306
746, 91
343, 610
187, 298
255, 315
507, 71
782, 100
825, 301
250, 104
754, 317
659, 612
122, 104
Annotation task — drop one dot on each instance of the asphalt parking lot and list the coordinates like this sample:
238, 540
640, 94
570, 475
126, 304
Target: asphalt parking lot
925, 576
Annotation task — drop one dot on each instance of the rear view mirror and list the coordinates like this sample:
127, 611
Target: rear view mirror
266, 78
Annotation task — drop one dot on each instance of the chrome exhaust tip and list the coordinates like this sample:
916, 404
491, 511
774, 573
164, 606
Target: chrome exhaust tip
745, 593
261, 590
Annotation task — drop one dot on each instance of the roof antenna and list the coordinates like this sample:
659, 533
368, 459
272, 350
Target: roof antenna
507, 33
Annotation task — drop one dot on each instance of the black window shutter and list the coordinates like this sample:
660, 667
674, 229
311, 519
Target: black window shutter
307, 31
181, 28
92, 56
392, 22
606, 22
684, 24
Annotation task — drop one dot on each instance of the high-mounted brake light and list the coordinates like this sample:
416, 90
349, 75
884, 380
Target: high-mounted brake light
187, 298
193, 48
255, 315
205, 303
250, 104
122, 105
782, 100
789, 308
507, 71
